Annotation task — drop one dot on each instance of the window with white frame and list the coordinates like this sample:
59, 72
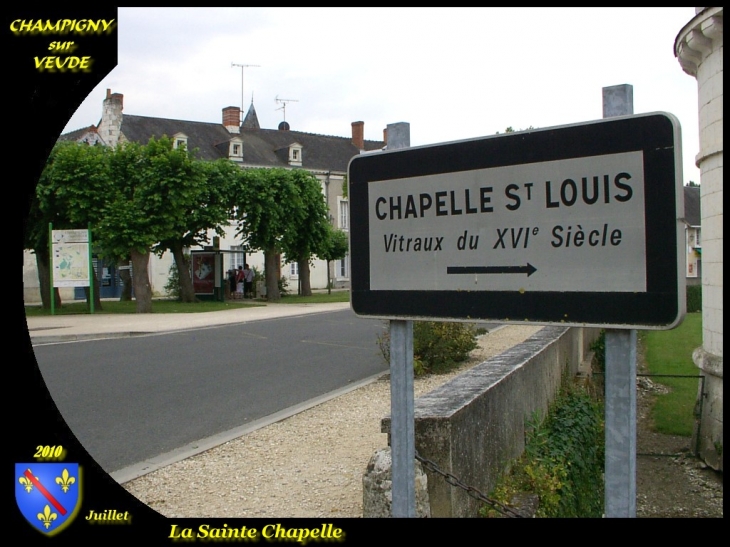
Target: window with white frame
295, 154
179, 140
237, 257
341, 269
235, 149
293, 269
343, 214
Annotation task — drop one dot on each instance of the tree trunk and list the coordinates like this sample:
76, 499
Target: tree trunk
43, 266
272, 281
304, 278
125, 274
141, 280
329, 282
187, 291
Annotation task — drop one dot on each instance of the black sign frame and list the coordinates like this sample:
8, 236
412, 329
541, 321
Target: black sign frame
662, 306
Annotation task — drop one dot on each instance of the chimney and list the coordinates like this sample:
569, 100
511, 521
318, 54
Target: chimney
385, 136
111, 118
232, 119
358, 132
115, 97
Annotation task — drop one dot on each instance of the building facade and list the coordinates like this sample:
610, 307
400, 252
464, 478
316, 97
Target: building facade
246, 144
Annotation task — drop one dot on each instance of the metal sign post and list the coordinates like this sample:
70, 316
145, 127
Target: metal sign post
620, 414
402, 436
620, 360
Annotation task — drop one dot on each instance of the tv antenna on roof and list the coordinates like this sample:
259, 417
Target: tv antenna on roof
242, 67
283, 102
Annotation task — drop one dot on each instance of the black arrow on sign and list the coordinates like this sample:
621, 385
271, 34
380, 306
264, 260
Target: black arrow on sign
529, 269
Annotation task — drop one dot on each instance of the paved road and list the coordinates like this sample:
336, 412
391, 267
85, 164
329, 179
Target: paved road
131, 399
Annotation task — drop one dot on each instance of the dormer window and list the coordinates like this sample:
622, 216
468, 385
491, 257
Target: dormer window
235, 149
295, 154
179, 140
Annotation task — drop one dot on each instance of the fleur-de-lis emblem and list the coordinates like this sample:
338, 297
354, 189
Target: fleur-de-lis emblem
46, 517
65, 480
26, 483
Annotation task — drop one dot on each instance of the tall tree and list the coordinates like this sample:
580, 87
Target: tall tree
70, 194
336, 249
307, 234
207, 208
35, 239
267, 201
149, 194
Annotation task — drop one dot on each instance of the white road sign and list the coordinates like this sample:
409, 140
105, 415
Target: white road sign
528, 227
576, 224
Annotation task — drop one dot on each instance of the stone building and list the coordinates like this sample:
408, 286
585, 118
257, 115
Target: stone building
245, 143
698, 48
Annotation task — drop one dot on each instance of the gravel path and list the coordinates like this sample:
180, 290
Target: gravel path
309, 465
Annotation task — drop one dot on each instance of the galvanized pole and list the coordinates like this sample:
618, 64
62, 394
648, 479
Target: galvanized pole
620, 412
402, 435
620, 471
50, 254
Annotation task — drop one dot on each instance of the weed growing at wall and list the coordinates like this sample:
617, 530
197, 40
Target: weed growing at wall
598, 347
563, 460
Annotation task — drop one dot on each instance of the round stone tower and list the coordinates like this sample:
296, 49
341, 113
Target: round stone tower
698, 47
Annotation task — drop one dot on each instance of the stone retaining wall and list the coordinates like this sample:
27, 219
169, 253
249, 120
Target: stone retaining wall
474, 425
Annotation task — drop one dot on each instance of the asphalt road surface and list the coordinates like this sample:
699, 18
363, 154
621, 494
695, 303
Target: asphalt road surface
130, 399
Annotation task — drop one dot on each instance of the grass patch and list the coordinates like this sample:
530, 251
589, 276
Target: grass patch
158, 306
670, 352
316, 298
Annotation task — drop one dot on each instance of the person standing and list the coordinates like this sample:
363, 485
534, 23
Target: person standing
248, 275
232, 283
239, 282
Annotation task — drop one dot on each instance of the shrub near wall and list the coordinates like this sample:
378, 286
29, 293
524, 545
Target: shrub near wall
694, 298
437, 346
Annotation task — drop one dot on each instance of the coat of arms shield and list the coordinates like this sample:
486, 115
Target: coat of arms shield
48, 494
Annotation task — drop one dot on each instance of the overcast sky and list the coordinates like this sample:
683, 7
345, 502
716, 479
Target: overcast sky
451, 73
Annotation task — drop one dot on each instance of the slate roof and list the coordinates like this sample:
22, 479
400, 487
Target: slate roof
77, 134
692, 205
251, 121
201, 135
319, 152
260, 146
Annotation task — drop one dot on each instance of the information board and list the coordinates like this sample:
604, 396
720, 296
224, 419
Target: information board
70, 255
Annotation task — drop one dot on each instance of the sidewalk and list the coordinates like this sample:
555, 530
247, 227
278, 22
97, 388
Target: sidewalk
64, 328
